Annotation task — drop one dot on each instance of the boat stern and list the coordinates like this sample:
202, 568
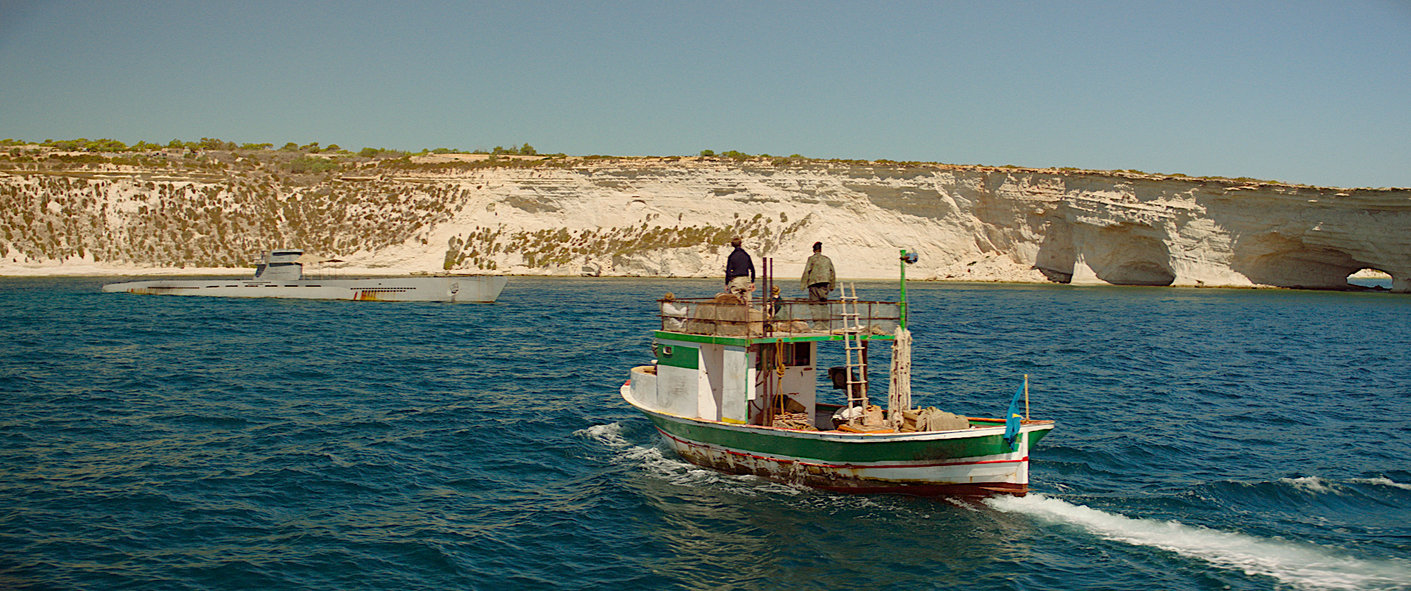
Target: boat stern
641, 386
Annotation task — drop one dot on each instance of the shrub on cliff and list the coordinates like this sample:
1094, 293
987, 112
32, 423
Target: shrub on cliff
311, 165
525, 150
381, 153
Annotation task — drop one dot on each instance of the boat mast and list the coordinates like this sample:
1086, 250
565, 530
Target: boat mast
766, 298
899, 390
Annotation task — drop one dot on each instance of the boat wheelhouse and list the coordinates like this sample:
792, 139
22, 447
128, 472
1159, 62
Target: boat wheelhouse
735, 387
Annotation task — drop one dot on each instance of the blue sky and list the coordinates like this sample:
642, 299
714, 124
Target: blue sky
1305, 92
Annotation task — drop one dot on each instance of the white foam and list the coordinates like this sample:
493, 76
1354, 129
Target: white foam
610, 434
1314, 484
1382, 482
1299, 564
1311, 484
966, 505
669, 467
650, 458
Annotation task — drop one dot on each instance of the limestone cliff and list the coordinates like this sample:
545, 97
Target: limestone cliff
673, 216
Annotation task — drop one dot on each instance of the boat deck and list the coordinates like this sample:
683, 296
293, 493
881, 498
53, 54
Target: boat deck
727, 316
822, 421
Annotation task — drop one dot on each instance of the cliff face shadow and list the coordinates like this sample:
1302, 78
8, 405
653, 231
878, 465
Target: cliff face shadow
1282, 261
1139, 273
1056, 256
1124, 254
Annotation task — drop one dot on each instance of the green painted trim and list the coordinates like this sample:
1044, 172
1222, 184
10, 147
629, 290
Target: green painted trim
858, 450
680, 356
698, 338
742, 342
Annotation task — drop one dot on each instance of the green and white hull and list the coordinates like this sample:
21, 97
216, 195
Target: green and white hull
736, 388
971, 462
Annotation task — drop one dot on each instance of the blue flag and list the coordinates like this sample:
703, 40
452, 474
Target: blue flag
1011, 421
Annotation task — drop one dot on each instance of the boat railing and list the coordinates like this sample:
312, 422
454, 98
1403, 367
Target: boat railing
727, 316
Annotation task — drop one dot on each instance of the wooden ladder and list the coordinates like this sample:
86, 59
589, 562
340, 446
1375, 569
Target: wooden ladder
853, 345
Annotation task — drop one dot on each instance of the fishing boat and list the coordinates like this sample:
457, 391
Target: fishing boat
280, 274
735, 387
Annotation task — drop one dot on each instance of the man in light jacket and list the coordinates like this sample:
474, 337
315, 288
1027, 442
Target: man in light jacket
818, 276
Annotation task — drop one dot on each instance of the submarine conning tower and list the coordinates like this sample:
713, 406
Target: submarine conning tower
280, 265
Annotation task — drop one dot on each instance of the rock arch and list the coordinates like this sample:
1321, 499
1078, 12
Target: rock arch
1370, 280
1124, 254
1284, 261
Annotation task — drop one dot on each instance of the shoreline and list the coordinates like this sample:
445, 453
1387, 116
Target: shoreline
139, 273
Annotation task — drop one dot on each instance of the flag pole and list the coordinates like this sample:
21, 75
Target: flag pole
906, 257
903, 288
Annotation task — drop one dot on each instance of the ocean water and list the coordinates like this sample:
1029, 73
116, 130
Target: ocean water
1207, 439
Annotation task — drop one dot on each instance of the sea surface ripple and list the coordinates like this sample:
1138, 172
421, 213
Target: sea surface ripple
1207, 439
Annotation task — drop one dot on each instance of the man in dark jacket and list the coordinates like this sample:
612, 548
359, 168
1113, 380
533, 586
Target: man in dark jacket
739, 271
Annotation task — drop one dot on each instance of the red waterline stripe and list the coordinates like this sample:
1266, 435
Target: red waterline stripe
777, 460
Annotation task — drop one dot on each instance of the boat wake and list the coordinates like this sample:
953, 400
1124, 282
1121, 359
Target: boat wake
1298, 564
665, 465
649, 458
609, 434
